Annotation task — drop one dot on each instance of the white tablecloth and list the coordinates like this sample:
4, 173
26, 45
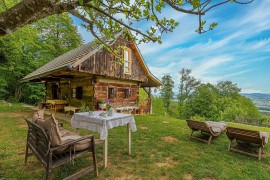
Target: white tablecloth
95, 122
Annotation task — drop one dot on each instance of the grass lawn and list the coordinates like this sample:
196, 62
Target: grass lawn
160, 150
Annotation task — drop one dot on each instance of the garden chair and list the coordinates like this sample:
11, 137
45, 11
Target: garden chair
246, 140
211, 128
43, 145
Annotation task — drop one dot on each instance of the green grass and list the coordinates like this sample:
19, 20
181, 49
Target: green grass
160, 149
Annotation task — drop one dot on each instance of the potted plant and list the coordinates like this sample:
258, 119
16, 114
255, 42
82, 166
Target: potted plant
101, 103
142, 105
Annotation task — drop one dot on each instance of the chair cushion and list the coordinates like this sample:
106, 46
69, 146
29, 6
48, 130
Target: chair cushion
79, 146
51, 127
35, 117
64, 132
38, 115
216, 130
82, 145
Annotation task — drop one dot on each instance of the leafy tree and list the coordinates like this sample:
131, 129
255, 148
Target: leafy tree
208, 102
167, 91
106, 17
188, 84
158, 109
58, 35
201, 101
228, 89
27, 49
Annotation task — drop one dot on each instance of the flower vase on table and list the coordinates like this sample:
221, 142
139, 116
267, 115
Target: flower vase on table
110, 110
101, 106
101, 103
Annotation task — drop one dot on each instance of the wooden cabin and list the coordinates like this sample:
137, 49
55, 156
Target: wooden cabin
87, 74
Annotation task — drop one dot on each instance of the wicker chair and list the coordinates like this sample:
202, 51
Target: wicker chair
203, 127
50, 157
245, 139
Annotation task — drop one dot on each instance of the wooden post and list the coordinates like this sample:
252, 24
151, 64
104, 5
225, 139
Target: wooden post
46, 93
105, 152
229, 147
149, 100
129, 138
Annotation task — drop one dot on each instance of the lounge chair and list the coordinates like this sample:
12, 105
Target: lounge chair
209, 127
247, 138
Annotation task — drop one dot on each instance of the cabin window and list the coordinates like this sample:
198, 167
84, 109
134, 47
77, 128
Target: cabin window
79, 92
55, 89
111, 93
127, 61
127, 93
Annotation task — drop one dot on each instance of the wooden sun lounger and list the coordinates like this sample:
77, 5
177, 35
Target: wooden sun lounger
248, 137
203, 127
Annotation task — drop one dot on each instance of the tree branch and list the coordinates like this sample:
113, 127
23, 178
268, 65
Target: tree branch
118, 21
181, 9
29, 11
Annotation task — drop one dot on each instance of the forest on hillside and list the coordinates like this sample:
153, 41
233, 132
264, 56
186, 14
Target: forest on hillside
205, 101
30, 47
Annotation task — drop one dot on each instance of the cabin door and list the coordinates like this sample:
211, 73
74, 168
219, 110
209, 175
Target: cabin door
55, 90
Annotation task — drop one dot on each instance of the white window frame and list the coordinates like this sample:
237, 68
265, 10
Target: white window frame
128, 60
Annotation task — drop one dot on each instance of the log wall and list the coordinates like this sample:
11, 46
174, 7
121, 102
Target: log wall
105, 63
101, 92
66, 92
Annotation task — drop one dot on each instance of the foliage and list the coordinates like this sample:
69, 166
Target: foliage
143, 96
197, 117
188, 84
201, 101
84, 107
108, 107
158, 109
166, 91
228, 89
101, 101
106, 17
220, 104
57, 34
29, 48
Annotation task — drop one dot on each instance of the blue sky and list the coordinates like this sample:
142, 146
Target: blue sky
238, 49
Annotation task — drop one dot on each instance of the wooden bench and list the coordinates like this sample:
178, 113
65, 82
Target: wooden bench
53, 156
71, 108
203, 127
57, 104
246, 138
129, 109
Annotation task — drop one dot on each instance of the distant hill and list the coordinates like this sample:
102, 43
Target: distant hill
262, 101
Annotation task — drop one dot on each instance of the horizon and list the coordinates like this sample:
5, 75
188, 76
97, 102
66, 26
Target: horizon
236, 50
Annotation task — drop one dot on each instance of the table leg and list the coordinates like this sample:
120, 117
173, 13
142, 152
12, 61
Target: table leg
129, 139
105, 152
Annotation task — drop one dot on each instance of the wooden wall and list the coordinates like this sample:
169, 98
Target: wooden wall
101, 91
94, 89
105, 63
66, 91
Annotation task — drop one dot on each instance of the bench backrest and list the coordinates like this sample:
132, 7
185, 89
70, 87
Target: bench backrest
244, 135
38, 141
198, 125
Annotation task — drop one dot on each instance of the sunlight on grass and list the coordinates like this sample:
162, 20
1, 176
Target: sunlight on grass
160, 149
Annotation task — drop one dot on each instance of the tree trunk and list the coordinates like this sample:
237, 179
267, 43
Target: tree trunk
29, 11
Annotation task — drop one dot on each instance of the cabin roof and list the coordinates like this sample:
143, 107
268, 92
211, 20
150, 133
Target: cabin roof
76, 56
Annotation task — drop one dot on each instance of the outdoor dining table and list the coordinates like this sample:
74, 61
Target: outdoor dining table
97, 123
